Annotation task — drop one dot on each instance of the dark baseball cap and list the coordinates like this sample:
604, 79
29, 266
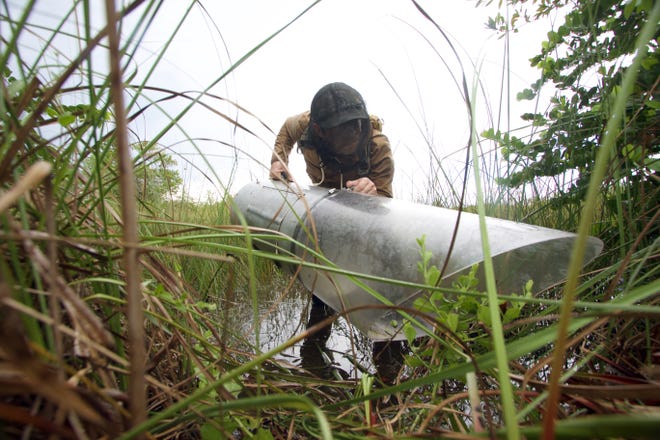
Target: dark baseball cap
336, 103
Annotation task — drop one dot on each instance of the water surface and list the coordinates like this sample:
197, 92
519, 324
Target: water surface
283, 314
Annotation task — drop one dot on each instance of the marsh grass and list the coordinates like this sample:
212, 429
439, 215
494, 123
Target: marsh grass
89, 351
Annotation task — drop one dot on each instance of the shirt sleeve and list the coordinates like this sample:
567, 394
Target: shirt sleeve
382, 162
290, 133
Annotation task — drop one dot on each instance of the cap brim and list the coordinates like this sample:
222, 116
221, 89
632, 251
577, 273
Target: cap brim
343, 117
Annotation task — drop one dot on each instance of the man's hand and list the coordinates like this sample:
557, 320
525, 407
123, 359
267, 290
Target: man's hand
363, 185
278, 171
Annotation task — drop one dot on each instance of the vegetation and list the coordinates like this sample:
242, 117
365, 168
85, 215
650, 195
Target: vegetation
585, 60
116, 316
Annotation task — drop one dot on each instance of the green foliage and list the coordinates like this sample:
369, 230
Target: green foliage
584, 60
67, 115
464, 314
157, 177
582, 63
429, 272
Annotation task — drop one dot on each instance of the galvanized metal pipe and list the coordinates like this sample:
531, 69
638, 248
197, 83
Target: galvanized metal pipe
378, 236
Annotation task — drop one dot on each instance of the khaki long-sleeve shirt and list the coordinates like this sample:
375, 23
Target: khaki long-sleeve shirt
335, 172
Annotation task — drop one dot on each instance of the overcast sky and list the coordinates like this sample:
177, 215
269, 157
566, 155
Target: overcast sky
386, 49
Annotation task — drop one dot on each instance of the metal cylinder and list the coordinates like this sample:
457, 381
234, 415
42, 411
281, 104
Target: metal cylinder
378, 236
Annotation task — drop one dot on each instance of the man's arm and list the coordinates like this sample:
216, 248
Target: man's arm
382, 164
289, 134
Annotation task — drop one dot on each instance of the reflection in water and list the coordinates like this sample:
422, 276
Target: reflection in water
388, 357
335, 352
315, 356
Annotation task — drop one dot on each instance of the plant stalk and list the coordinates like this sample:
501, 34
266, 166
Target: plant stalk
135, 314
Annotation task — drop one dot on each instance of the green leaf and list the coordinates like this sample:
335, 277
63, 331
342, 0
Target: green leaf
433, 276
65, 119
511, 314
409, 332
263, 434
208, 431
491, 24
234, 387
452, 321
15, 87
632, 152
203, 305
489, 134
649, 62
211, 431
526, 95
483, 314
414, 362
652, 164
424, 305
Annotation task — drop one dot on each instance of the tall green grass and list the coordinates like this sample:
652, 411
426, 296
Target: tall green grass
113, 314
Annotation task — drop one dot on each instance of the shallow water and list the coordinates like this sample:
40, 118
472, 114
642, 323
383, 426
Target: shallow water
284, 314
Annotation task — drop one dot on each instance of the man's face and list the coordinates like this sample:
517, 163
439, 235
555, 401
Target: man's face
343, 138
